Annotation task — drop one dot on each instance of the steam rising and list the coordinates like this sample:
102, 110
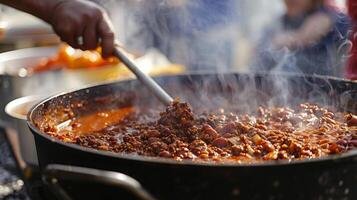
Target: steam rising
199, 34
229, 44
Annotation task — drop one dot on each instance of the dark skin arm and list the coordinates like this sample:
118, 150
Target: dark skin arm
71, 19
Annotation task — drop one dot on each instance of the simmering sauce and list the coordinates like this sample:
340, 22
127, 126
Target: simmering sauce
305, 131
97, 121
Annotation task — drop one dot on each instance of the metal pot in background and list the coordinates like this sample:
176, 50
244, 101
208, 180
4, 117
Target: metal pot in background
14, 85
5, 96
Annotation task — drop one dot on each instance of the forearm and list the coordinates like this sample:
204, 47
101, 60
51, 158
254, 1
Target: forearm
39, 8
314, 29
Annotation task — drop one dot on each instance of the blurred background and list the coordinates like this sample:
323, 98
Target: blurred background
307, 36
301, 36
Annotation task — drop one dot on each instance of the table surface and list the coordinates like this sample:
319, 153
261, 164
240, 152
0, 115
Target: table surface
9, 172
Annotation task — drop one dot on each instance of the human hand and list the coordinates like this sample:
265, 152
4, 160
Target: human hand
82, 24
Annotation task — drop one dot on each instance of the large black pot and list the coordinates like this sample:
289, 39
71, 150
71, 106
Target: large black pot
333, 177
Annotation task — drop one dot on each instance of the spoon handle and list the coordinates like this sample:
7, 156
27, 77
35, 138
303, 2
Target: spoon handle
145, 79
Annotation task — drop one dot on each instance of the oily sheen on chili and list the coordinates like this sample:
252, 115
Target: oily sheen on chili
305, 131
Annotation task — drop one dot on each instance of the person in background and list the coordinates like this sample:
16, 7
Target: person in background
80, 23
351, 71
307, 39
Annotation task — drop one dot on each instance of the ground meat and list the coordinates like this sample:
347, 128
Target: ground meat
272, 133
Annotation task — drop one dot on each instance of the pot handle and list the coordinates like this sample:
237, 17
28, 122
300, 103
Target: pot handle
54, 172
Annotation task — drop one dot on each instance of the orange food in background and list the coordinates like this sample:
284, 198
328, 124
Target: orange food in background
70, 58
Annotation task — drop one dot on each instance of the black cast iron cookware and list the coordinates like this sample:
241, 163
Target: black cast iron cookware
333, 177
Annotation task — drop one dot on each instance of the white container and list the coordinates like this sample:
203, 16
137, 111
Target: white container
18, 109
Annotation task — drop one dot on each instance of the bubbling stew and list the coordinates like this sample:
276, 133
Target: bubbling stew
305, 131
